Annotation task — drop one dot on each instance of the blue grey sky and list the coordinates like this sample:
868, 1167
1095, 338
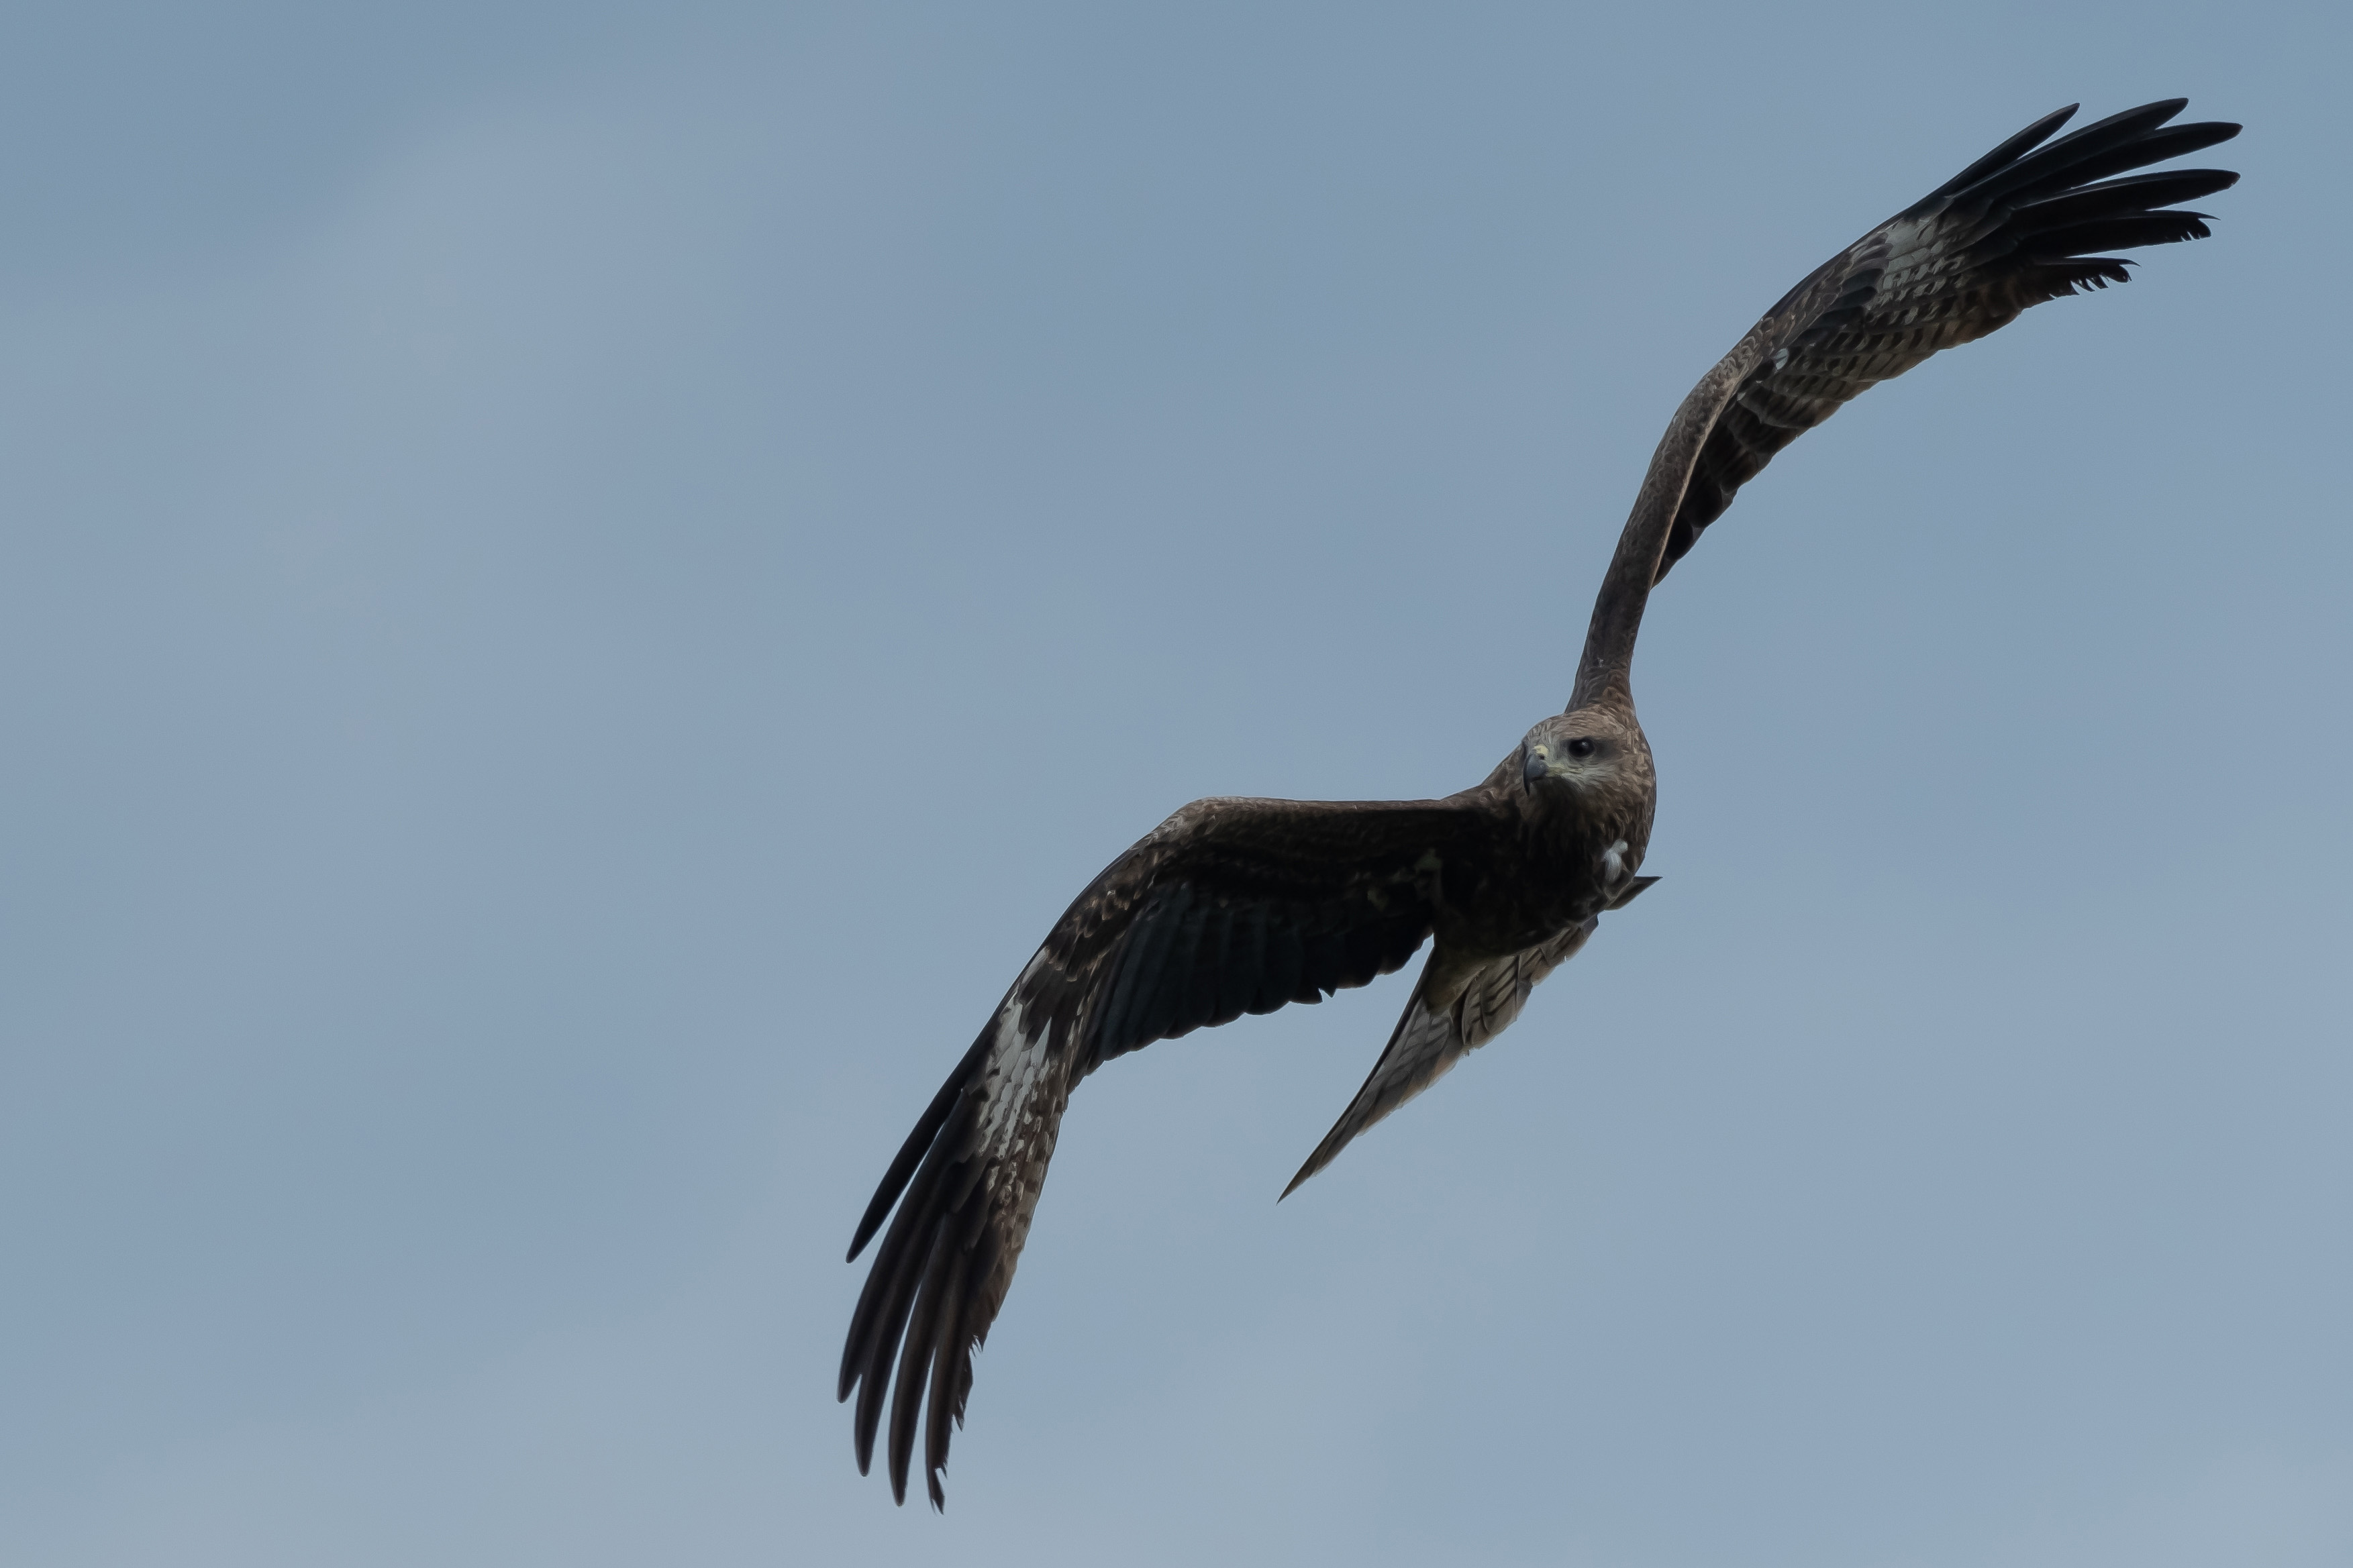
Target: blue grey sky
580, 583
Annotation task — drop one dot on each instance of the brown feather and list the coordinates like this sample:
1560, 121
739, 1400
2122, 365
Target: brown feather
2007, 233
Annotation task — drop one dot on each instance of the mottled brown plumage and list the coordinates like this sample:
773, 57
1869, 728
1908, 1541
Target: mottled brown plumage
1236, 906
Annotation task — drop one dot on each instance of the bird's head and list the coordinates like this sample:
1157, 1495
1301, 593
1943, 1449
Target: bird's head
1588, 752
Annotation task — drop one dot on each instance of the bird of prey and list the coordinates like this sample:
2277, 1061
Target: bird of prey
1236, 906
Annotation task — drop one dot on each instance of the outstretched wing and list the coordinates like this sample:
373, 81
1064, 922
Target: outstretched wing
1450, 1014
1229, 906
2023, 224
2013, 230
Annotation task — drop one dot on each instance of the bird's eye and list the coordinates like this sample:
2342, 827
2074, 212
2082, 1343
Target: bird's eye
1581, 747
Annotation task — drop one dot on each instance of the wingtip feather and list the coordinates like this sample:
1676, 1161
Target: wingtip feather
1309, 1169
2009, 152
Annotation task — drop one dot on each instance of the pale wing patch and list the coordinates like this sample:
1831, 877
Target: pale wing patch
1024, 1087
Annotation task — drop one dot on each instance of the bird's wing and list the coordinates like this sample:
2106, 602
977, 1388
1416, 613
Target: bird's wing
2023, 224
1431, 1037
1229, 906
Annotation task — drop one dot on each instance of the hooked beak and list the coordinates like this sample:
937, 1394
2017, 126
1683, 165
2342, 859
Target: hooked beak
1538, 767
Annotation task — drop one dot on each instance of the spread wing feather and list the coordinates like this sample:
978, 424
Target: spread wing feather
2015, 228
1229, 906
2023, 224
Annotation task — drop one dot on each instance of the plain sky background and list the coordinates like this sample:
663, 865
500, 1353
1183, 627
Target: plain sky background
580, 583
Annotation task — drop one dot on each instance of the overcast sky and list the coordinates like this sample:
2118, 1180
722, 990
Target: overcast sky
579, 585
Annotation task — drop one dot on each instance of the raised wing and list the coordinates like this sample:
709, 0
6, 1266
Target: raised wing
1229, 906
2023, 224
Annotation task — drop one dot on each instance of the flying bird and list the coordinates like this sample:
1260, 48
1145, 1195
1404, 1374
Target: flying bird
1237, 905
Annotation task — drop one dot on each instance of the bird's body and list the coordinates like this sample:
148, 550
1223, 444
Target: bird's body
1237, 905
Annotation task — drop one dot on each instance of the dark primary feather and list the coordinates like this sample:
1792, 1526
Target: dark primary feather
2016, 227
1229, 907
